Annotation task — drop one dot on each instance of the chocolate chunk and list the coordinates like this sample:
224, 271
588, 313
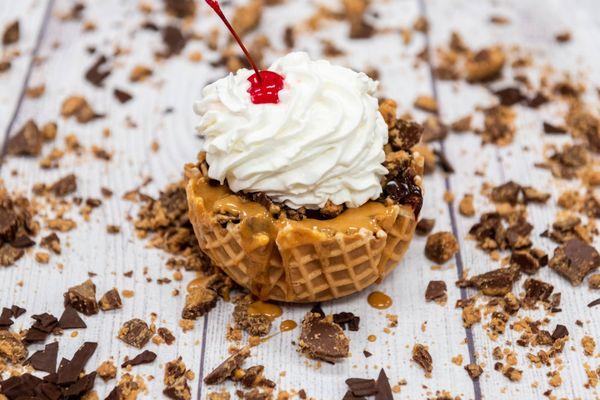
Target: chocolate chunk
421, 356
254, 324
82, 298
180, 8
34, 335
436, 290
22, 242
424, 226
594, 303
203, 297
532, 195
11, 33
226, 368
135, 333
175, 379
98, 72
350, 396
441, 246
553, 129
174, 41
525, 261
9, 223
6, 318
517, 235
82, 386
44, 360
506, 193
318, 309
69, 370
405, 134
497, 282
509, 96
27, 142
362, 387
111, 300
11, 347
145, 357
17, 311
560, 332
321, 338
538, 100
9, 255
574, 260
21, 387
70, 319
64, 186
384, 391
536, 290
45, 322
474, 370
347, 320
51, 242
166, 335
122, 96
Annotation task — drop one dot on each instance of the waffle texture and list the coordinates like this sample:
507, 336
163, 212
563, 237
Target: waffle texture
297, 264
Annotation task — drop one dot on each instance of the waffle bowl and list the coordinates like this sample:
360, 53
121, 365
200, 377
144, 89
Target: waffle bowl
298, 261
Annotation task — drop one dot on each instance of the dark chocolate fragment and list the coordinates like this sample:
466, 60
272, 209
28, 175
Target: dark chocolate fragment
82, 298
145, 357
70, 319
574, 260
323, 339
135, 332
44, 360
226, 368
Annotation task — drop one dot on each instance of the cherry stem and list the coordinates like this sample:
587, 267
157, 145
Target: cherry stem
214, 4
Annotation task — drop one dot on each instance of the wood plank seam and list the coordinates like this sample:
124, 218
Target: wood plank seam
202, 356
458, 256
34, 52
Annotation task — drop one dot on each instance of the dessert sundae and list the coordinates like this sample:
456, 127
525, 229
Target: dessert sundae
306, 187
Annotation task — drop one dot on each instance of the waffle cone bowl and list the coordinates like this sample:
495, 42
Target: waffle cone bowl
307, 260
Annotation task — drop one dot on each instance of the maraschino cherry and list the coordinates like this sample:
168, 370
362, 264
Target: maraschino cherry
264, 85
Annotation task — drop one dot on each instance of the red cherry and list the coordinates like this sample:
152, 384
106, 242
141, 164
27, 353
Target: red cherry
264, 85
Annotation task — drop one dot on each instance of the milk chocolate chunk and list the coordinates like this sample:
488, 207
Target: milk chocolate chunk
111, 300
574, 260
145, 357
509, 96
175, 379
323, 339
166, 335
436, 290
560, 332
536, 290
441, 246
11, 33
497, 282
506, 193
226, 368
254, 324
51, 242
27, 142
424, 226
421, 356
82, 298
135, 332
474, 370
64, 186
405, 134
11, 347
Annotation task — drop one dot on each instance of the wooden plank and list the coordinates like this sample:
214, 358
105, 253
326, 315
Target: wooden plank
443, 331
31, 15
532, 28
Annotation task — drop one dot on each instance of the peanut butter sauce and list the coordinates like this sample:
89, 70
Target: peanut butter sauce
287, 325
379, 300
269, 310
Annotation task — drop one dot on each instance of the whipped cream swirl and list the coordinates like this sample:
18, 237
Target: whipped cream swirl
323, 140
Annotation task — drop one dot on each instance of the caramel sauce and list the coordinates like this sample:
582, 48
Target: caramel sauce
287, 325
372, 216
371, 338
269, 310
379, 300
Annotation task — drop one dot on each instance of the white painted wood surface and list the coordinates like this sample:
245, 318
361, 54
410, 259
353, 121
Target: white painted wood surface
176, 83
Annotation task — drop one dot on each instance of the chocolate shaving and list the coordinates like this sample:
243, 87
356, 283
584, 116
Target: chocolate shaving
69, 371
553, 129
145, 357
70, 319
122, 95
44, 360
594, 303
98, 72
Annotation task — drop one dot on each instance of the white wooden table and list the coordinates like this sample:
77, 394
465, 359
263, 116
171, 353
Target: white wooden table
54, 54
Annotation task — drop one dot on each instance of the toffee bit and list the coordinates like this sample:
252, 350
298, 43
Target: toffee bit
421, 356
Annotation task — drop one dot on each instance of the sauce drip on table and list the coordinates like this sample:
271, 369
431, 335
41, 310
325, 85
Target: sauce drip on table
264, 85
379, 300
287, 325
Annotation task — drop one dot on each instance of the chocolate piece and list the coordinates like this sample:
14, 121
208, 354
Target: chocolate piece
69, 371
111, 300
27, 142
350, 396
532, 195
122, 96
166, 335
21, 387
174, 41
384, 391
202, 298
180, 8
11, 347
421, 356
254, 324
78, 107
553, 129
135, 332
560, 332
45, 322
11, 33
145, 357
474, 370
594, 303
44, 360
321, 338
424, 226
82, 298
226, 368
485, 65
98, 72
70, 319
5, 318
347, 320
17, 311
175, 379
497, 282
362, 387
51, 242
509, 96
436, 290
64, 186
499, 126
574, 260
404, 134
441, 246
525, 261
506, 193
536, 290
